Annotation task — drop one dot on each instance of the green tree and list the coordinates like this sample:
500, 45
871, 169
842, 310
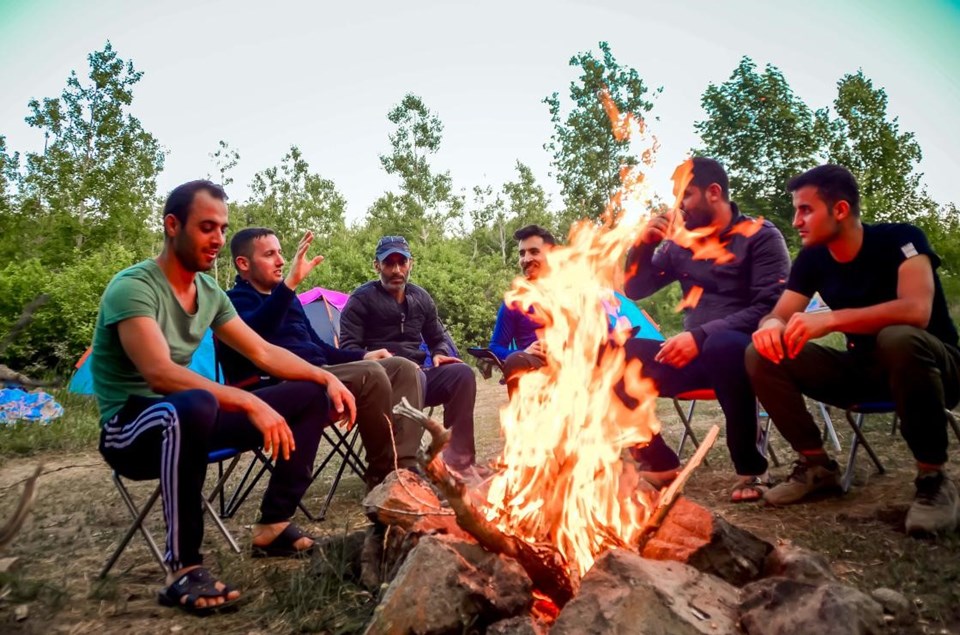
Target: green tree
290, 199
225, 159
95, 181
863, 138
763, 134
586, 156
426, 203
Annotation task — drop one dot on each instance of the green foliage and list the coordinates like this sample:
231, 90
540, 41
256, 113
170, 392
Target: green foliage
862, 138
662, 309
95, 181
62, 328
586, 156
763, 134
426, 203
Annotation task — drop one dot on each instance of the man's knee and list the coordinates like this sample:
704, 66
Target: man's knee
755, 362
901, 345
373, 376
520, 362
726, 344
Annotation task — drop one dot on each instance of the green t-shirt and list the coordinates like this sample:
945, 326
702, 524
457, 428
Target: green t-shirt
143, 290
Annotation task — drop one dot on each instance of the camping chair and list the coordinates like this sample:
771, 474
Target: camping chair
855, 415
140, 514
343, 444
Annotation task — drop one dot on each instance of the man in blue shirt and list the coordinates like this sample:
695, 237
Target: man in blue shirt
515, 341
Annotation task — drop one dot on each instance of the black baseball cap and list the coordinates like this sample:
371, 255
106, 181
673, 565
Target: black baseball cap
392, 245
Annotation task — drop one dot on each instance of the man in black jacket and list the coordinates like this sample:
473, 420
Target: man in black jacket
267, 302
394, 314
709, 353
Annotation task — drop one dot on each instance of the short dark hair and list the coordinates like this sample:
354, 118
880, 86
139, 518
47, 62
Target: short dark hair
242, 242
181, 198
534, 230
706, 172
834, 183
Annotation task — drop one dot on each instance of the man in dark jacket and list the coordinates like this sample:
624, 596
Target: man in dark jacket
394, 314
709, 353
267, 302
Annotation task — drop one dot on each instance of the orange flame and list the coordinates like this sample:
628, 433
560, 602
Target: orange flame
691, 300
565, 432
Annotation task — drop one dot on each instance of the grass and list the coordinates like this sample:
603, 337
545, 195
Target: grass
78, 518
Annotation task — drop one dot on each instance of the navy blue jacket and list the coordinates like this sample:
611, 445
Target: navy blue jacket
736, 294
278, 317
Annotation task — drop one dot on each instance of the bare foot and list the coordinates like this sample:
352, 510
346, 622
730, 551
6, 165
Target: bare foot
264, 535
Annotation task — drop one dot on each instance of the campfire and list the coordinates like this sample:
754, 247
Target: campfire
566, 533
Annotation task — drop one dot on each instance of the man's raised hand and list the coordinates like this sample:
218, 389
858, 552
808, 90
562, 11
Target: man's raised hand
656, 229
301, 266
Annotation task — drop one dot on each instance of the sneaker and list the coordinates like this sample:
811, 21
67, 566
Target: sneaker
805, 479
935, 506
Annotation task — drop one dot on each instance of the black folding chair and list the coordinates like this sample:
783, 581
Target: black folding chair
139, 514
236, 371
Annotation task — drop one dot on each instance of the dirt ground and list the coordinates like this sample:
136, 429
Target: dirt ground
79, 518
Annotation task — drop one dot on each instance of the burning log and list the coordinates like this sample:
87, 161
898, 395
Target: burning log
546, 567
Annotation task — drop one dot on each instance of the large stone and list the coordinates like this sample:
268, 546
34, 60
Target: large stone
788, 561
780, 606
900, 610
696, 536
405, 500
624, 593
520, 625
446, 584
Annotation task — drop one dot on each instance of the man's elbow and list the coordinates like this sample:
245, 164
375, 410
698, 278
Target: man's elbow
920, 313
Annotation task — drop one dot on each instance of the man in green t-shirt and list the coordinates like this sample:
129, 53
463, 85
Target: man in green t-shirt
161, 420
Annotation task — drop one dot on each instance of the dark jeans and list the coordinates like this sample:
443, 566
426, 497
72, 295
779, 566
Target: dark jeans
170, 437
913, 369
454, 386
655, 456
720, 367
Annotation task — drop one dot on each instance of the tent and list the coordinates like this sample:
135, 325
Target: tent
645, 327
322, 306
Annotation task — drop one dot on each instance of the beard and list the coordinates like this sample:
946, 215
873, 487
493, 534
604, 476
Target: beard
697, 217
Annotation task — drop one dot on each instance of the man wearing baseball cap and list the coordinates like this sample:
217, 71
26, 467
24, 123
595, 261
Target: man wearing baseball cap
392, 313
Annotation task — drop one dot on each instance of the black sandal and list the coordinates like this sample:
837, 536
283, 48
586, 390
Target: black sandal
283, 546
195, 584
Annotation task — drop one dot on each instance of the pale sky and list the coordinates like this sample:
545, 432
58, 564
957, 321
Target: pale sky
265, 75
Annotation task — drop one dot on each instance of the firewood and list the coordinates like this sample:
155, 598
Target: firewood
548, 570
669, 496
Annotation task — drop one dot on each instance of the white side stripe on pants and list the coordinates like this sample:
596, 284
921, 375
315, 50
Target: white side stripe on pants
118, 437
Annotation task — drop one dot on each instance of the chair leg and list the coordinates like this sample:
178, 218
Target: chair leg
765, 448
138, 518
685, 418
858, 440
829, 432
243, 488
952, 420
219, 523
